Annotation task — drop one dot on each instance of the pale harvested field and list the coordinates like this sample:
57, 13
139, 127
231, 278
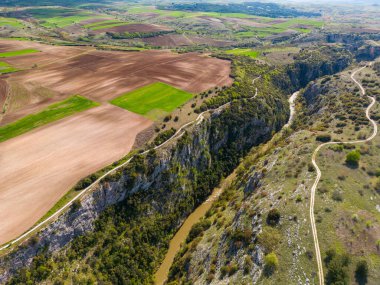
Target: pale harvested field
38, 168
181, 40
103, 75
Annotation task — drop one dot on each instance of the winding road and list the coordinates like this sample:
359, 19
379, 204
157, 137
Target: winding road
319, 174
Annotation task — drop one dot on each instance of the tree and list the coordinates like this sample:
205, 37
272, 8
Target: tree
271, 263
273, 217
337, 268
361, 272
353, 158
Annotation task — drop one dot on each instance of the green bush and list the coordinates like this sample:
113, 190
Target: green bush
323, 138
273, 217
361, 272
353, 158
337, 268
269, 238
271, 263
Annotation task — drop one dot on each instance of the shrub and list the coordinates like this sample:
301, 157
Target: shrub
361, 272
323, 138
167, 118
269, 238
198, 229
273, 217
271, 263
353, 158
76, 205
337, 196
337, 268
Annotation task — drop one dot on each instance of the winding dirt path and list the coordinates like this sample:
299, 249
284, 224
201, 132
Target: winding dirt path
319, 174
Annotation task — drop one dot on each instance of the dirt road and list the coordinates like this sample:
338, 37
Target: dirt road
319, 174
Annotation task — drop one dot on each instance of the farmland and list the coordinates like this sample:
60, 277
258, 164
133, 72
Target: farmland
40, 166
12, 22
246, 52
59, 17
43, 115
17, 52
6, 68
152, 100
52, 113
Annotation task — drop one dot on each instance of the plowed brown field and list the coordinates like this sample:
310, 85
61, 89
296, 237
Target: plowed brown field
134, 28
40, 166
103, 75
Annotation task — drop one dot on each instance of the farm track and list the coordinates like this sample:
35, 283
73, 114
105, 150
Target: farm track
319, 173
177, 134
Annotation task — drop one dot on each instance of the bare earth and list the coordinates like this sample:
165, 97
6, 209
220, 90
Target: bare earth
181, 40
103, 75
38, 168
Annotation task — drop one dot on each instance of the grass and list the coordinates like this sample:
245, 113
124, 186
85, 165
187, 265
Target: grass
17, 52
52, 113
60, 17
12, 22
153, 100
105, 24
244, 51
6, 68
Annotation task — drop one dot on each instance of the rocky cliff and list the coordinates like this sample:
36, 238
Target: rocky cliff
213, 147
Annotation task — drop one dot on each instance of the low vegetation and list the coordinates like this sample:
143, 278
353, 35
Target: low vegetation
7, 68
52, 113
153, 101
17, 52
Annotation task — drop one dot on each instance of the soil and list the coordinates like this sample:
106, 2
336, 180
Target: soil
181, 40
104, 75
38, 168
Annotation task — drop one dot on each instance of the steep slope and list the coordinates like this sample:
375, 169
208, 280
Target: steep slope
120, 231
259, 230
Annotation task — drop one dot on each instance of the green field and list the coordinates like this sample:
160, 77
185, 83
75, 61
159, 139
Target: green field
105, 24
18, 52
244, 51
6, 68
60, 17
10, 22
153, 100
52, 113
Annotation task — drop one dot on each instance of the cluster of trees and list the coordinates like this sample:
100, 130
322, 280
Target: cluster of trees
272, 10
136, 35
